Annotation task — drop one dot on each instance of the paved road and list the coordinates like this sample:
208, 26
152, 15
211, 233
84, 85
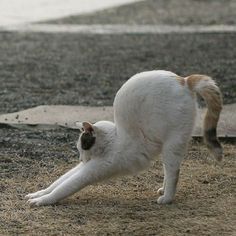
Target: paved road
14, 12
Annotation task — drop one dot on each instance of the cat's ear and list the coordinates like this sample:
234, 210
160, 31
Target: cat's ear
85, 126
88, 127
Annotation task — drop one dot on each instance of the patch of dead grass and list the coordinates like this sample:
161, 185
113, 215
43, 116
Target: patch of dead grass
126, 206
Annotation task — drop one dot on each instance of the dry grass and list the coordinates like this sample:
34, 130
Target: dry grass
127, 206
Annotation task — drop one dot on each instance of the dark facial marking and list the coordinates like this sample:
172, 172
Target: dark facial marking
87, 140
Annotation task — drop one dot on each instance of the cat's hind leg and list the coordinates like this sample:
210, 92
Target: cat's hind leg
172, 155
161, 190
54, 184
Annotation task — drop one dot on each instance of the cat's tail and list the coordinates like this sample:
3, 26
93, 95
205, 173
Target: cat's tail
209, 91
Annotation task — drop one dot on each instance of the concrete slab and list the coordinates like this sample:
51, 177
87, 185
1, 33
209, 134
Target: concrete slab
52, 117
226, 125
14, 12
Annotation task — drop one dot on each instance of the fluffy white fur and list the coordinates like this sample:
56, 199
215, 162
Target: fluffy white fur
153, 113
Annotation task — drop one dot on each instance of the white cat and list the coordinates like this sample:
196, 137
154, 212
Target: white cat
154, 112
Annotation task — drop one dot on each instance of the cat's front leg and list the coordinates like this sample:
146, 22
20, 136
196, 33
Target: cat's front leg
91, 172
54, 184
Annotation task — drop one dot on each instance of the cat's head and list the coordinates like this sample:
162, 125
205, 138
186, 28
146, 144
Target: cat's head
87, 137
95, 138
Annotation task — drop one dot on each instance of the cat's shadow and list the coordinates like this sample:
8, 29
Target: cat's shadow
116, 203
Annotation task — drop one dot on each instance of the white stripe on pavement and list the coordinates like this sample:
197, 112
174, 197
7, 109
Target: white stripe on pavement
120, 29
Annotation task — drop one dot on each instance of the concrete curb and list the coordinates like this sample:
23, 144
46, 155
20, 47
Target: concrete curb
52, 117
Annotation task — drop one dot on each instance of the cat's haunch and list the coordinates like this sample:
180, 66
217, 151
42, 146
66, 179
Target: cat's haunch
154, 112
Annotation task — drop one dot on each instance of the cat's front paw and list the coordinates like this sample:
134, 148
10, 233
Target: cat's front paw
40, 201
164, 200
35, 202
36, 194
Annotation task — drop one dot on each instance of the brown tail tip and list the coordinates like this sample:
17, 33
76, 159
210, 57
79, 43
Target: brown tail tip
213, 143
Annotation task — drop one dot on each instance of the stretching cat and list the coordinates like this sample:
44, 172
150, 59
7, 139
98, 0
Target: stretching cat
154, 112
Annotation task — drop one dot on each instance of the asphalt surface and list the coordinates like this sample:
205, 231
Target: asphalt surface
26, 11
171, 12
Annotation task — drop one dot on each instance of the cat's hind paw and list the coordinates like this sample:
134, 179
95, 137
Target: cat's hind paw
160, 191
164, 200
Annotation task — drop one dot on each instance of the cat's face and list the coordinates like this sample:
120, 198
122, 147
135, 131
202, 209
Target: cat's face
95, 139
87, 137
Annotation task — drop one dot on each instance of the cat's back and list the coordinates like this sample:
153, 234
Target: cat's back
149, 86
150, 97
148, 81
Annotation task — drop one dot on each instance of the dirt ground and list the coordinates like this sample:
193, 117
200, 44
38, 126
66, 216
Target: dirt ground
126, 206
